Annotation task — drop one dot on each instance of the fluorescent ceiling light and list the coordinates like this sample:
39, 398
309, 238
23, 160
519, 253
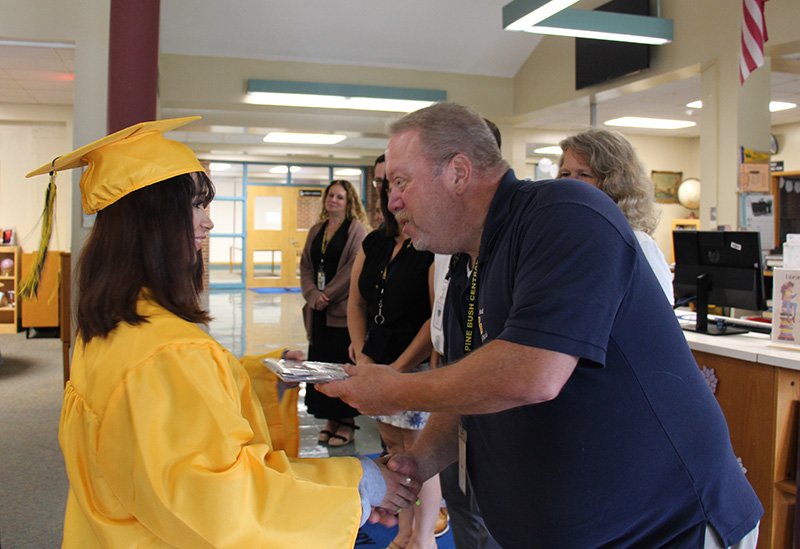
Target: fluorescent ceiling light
552, 149
652, 123
304, 138
525, 13
602, 25
774, 106
219, 166
37, 44
347, 172
284, 169
340, 96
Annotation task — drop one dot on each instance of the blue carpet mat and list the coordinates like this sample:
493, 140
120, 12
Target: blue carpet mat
275, 290
379, 536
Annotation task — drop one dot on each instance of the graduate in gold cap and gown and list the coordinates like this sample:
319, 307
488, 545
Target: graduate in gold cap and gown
165, 441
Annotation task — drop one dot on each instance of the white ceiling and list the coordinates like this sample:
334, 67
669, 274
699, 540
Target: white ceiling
457, 36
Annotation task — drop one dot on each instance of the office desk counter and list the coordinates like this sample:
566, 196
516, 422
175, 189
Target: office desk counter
758, 388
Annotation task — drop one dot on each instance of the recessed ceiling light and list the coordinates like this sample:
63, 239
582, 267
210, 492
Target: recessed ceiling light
347, 172
774, 106
552, 149
304, 138
285, 169
219, 166
652, 123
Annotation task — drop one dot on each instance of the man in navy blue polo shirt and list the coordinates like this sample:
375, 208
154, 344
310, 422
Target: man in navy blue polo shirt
572, 398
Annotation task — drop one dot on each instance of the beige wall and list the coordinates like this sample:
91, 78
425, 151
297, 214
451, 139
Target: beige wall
789, 142
30, 137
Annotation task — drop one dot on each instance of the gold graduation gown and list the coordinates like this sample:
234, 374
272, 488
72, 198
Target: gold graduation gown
166, 445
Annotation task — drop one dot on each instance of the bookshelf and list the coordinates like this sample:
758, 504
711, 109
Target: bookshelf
9, 311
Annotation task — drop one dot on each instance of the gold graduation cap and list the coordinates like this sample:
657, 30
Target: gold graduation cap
126, 161
117, 165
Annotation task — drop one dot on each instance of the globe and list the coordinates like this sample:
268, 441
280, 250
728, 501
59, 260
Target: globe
689, 193
7, 267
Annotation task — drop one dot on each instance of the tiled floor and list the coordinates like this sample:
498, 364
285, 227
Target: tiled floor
249, 323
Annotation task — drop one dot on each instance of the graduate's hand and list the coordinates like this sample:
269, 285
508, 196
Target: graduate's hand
295, 355
291, 355
370, 389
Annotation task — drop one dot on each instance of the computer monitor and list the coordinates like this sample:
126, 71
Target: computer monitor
722, 268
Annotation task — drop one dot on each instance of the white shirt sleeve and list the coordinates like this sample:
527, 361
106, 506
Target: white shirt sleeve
657, 262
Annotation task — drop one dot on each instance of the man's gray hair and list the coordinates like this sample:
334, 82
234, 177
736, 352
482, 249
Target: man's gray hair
447, 129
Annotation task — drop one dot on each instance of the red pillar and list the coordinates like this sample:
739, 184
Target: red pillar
132, 62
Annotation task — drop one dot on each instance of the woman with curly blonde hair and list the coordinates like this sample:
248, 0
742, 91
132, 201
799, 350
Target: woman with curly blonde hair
328, 255
354, 209
606, 159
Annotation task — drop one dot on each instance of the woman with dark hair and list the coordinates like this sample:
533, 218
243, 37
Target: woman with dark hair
388, 315
164, 439
325, 266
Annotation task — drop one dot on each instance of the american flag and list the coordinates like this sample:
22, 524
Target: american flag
754, 34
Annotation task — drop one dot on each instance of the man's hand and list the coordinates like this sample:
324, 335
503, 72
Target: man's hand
409, 466
402, 492
369, 389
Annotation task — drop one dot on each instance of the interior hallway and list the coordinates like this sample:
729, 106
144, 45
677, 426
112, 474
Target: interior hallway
249, 323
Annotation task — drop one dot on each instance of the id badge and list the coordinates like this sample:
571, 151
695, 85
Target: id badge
320, 280
462, 459
438, 313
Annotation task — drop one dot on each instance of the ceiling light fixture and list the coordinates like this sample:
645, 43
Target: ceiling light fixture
650, 123
304, 138
524, 14
219, 166
602, 25
340, 96
774, 106
285, 169
347, 172
550, 150
37, 44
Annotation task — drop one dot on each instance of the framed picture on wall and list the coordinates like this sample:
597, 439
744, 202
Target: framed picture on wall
666, 186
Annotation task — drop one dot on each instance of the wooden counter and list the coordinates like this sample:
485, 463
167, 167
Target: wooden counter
758, 389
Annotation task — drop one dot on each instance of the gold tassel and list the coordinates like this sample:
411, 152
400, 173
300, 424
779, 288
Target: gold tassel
30, 285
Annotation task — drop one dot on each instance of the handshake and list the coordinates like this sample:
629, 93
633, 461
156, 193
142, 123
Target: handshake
402, 488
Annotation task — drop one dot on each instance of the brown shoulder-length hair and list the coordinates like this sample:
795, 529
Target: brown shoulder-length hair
144, 240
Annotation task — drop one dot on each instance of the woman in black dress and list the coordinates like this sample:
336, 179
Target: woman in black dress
388, 316
325, 267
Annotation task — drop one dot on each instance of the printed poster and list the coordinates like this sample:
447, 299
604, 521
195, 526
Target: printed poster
785, 308
760, 217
